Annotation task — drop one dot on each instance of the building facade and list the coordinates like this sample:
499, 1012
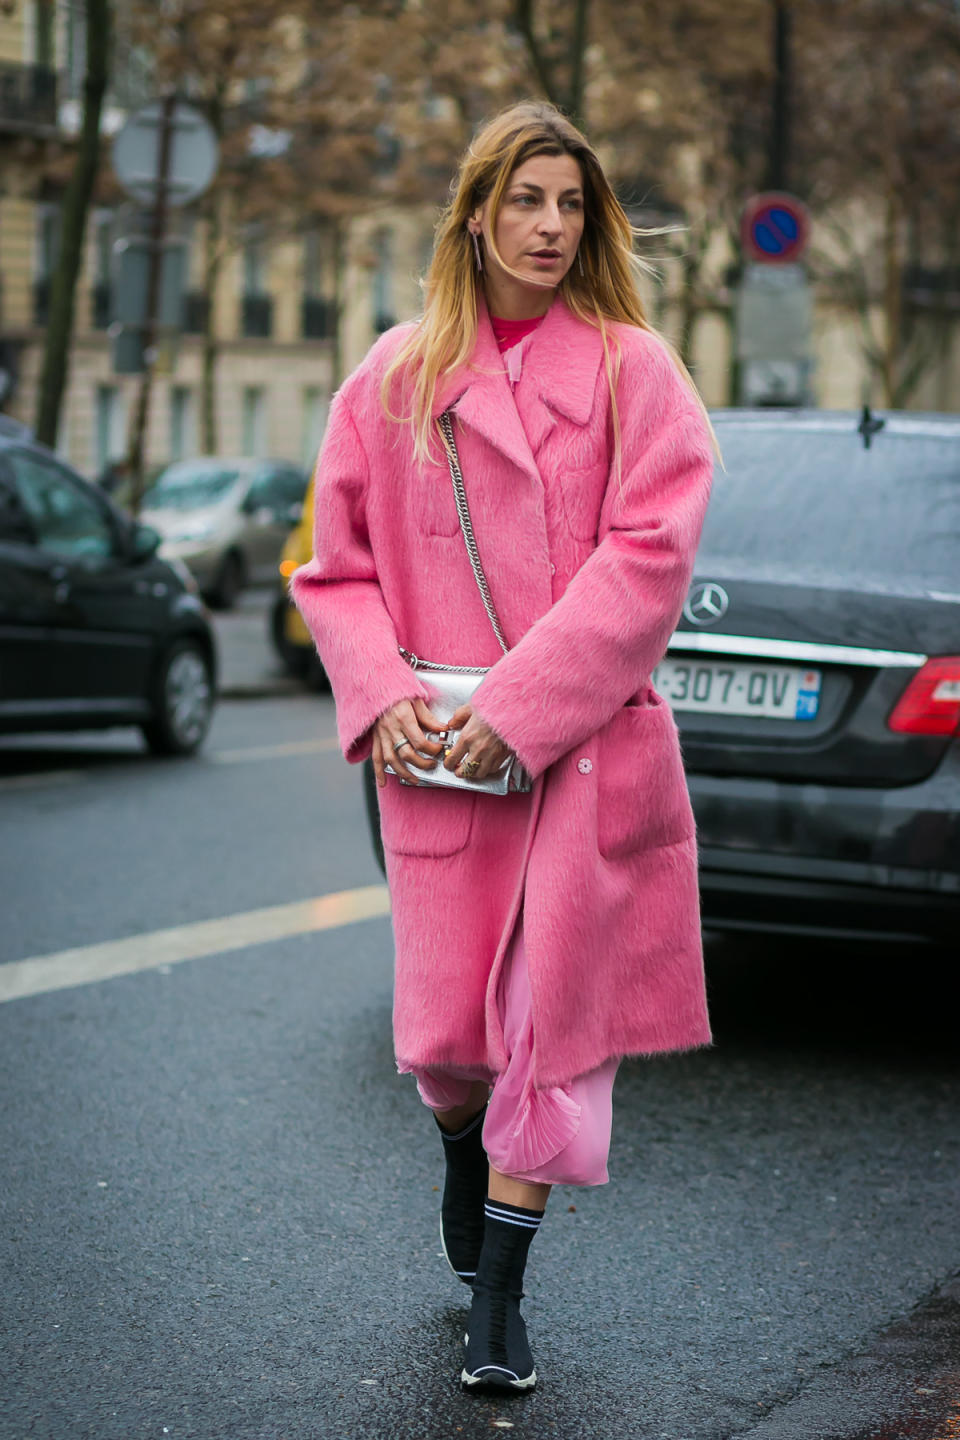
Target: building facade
278, 353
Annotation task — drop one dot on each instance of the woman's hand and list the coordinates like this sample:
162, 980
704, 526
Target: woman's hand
477, 744
399, 734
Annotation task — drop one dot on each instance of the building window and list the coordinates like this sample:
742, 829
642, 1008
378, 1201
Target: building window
76, 49
47, 251
256, 321
183, 422
44, 34
254, 266
254, 420
196, 312
315, 406
316, 319
102, 292
383, 311
110, 426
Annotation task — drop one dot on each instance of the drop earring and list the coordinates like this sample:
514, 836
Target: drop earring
580, 260
476, 249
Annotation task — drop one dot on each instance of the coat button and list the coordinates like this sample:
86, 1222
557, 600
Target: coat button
584, 766
553, 568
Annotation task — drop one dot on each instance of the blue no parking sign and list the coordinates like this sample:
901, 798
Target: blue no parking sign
775, 228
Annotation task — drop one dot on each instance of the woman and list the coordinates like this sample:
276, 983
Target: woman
539, 936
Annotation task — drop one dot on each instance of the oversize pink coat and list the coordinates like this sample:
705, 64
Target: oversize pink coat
588, 571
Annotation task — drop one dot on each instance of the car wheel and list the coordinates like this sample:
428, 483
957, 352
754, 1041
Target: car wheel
294, 657
314, 675
229, 582
183, 699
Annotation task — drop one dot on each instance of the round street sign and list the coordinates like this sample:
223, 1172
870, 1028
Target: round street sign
193, 154
775, 228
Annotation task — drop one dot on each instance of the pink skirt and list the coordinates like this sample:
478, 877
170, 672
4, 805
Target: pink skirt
559, 1136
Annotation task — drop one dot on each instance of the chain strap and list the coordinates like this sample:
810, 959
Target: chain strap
416, 662
463, 511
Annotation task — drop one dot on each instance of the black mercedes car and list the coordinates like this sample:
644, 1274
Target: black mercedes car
95, 629
815, 677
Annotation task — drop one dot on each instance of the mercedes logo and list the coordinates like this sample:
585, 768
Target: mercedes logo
706, 603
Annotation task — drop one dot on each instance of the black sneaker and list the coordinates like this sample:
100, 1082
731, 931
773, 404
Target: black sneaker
464, 1194
498, 1353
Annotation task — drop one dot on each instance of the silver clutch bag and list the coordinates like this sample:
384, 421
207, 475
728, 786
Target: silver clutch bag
454, 684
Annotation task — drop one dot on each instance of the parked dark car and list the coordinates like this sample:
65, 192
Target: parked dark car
815, 678
95, 629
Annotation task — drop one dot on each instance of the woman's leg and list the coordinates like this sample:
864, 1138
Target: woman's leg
517, 1192
456, 1119
459, 1106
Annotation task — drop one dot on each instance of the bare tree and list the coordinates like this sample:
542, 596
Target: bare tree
76, 204
880, 153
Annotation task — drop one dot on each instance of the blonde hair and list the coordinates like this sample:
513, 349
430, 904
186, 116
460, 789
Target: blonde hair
606, 290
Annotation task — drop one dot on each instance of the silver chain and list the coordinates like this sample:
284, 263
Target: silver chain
463, 511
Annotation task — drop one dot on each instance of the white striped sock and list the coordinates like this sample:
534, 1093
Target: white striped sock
510, 1216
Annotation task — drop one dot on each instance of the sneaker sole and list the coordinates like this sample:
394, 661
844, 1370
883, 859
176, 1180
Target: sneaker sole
497, 1380
462, 1278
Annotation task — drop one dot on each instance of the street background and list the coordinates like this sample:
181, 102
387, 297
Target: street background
220, 1204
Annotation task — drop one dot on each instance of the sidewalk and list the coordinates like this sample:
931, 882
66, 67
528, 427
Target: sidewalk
250, 668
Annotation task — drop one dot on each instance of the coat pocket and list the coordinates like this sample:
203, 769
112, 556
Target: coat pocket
434, 503
642, 799
425, 821
583, 488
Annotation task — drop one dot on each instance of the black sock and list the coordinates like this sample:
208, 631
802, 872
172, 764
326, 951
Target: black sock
508, 1232
465, 1187
478, 1119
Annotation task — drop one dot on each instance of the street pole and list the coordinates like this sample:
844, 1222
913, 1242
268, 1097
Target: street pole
158, 227
780, 119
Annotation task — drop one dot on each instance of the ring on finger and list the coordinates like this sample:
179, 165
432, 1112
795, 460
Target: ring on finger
399, 744
469, 767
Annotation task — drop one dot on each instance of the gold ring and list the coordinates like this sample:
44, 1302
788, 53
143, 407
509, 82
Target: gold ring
469, 767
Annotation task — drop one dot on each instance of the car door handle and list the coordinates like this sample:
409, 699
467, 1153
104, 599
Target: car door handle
60, 577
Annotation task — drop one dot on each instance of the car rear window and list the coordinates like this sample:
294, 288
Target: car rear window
796, 502
190, 485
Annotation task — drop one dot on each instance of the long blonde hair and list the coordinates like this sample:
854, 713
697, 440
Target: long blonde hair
606, 290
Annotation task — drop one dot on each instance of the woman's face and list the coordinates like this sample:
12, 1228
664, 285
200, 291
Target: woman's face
537, 231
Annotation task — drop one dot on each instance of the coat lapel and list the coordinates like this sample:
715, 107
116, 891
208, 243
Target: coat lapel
559, 377
479, 395
561, 361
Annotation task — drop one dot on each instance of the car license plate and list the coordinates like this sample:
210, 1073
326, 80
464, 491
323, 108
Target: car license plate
720, 687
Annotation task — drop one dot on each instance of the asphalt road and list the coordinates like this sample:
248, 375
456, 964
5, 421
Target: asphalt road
219, 1205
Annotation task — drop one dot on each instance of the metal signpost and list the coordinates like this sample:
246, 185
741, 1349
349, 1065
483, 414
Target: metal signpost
165, 155
774, 310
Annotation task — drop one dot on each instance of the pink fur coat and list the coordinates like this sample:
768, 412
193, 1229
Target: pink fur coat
588, 571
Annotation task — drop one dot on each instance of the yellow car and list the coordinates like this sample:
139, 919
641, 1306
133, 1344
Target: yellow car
290, 636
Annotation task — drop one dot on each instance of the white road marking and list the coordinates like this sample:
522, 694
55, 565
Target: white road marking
41, 779
87, 964
271, 752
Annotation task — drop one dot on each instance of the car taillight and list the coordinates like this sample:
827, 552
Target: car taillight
930, 705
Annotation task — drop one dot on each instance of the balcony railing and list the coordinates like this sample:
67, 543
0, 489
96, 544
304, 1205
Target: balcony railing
28, 95
317, 318
257, 317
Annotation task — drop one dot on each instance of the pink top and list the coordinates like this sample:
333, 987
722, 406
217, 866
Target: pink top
510, 332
